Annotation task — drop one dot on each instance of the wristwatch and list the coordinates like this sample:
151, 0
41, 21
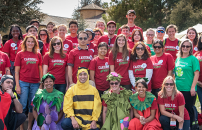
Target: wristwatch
14, 97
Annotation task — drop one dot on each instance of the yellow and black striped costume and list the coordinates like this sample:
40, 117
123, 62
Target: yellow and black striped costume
83, 102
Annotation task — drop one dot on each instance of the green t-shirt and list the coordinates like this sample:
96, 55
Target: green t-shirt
184, 72
151, 48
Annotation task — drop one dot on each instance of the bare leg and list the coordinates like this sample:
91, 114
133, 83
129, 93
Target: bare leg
30, 120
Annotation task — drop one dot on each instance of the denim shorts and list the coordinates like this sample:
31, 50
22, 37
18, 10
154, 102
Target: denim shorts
60, 87
28, 91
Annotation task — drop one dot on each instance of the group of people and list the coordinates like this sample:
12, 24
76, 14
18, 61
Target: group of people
92, 80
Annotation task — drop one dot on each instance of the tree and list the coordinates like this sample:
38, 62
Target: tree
85, 2
19, 11
82, 24
97, 2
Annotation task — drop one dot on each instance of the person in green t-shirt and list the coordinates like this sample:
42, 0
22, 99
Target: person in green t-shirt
186, 74
150, 38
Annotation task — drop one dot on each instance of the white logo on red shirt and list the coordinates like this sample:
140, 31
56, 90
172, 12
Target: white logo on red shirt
58, 61
92, 50
86, 57
169, 105
30, 59
66, 45
195, 48
144, 65
177, 47
13, 44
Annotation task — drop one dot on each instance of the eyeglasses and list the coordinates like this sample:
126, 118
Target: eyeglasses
140, 48
58, 43
159, 47
183, 46
83, 38
116, 83
43, 34
160, 31
109, 41
150, 35
171, 84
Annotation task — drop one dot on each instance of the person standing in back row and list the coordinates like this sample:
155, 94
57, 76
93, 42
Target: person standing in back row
73, 28
131, 15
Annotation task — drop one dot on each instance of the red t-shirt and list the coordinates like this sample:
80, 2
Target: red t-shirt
139, 69
67, 46
199, 57
92, 47
105, 39
5, 62
11, 48
174, 105
121, 67
101, 68
56, 67
161, 66
47, 46
195, 49
79, 58
1, 47
172, 47
131, 30
73, 39
29, 66
131, 45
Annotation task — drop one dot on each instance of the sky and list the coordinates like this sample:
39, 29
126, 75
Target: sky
63, 8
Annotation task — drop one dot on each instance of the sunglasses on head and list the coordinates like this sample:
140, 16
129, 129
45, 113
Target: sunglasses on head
159, 47
43, 34
58, 43
160, 31
116, 83
171, 84
184, 46
140, 48
83, 38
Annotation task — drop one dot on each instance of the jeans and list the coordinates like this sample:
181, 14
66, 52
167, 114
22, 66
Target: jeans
199, 92
67, 124
28, 91
165, 123
60, 87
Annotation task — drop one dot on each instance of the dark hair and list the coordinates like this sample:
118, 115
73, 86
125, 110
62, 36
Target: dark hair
73, 22
55, 28
171, 26
199, 46
196, 37
133, 33
51, 49
157, 41
34, 21
10, 36
31, 26
82, 32
101, 44
145, 56
125, 27
82, 68
45, 30
50, 23
142, 81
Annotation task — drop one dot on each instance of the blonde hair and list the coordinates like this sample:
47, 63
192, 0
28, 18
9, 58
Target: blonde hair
163, 93
150, 29
51, 50
62, 25
180, 53
24, 47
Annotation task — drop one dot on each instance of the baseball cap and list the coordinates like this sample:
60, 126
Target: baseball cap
160, 28
131, 11
111, 22
90, 30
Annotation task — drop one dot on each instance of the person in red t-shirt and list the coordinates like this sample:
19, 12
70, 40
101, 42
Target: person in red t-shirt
146, 113
90, 45
34, 22
140, 65
11, 46
192, 35
100, 25
79, 57
163, 64
125, 29
55, 31
172, 105
171, 44
67, 44
5, 64
55, 62
98, 34
49, 27
119, 60
99, 69
73, 28
44, 37
110, 37
28, 72
131, 15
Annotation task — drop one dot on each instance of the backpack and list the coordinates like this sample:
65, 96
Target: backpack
40, 46
164, 42
195, 125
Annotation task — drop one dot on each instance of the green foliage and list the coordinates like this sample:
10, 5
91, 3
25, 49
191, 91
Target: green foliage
82, 24
85, 2
19, 11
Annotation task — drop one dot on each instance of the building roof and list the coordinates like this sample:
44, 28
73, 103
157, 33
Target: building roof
91, 6
55, 19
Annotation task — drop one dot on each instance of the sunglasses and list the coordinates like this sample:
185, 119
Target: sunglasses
116, 83
58, 43
171, 84
83, 38
183, 46
140, 48
43, 34
160, 31
159, 47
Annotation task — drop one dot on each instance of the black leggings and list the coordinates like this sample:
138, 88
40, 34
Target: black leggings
189, 103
